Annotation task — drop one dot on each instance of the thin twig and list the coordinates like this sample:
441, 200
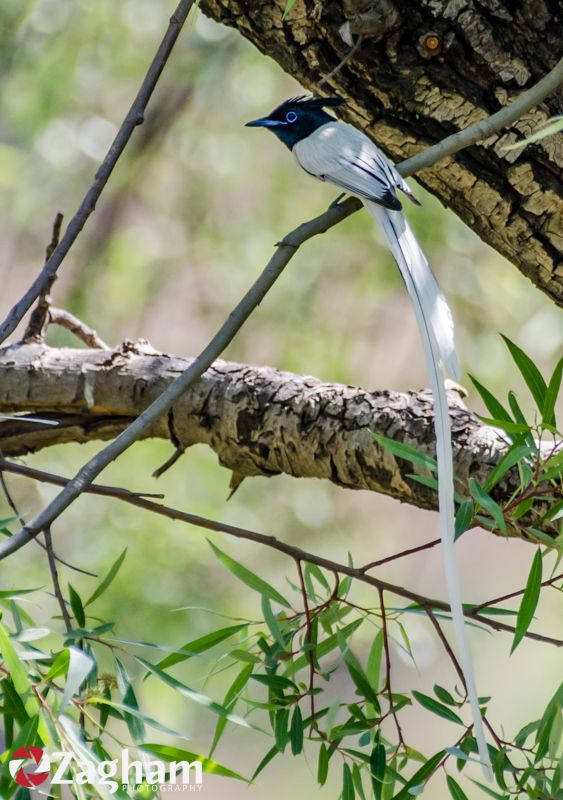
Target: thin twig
481, 606
342, 63
308, 643
402, 554
296, 553
12, 503
83, 332
388, 667
245, 307
55, 579
134, 117
447, 647
39, 318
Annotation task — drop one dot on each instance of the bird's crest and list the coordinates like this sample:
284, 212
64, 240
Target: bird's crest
305, 102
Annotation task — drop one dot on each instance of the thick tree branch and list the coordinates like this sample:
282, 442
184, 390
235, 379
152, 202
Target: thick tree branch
135, 116
258, 421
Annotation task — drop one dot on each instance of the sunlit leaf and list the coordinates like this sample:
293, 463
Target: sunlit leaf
167, 753
515, 454
18, 673
107, 580
548, 128
200, 645
249, 578
80, 666
551, 395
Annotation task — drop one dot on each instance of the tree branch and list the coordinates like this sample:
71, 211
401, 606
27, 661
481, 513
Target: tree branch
296, 553
258, 421
134, 117
196, 369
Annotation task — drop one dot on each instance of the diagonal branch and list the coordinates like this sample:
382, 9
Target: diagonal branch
134, 117
210, 353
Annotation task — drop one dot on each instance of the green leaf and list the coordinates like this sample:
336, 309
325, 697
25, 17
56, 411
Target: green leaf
167, 753
249, 578
296, 732
455, 789
509, 427
18, 674
437, 708
529, 600
490, 792
288, 6
272, 621
322, 767
133, 712
270, 755
406, 453
77, 607
275, 681
325, 647
373, 667
127, 694
494, 407
377, 767
360, 680
529, 372
515, 454
464, 517
420, 776
105, 582
59, 666
229, 701
201, 644
443, 695
488, 504
281, 728
197, 697
548, 410
357, 778
348, 792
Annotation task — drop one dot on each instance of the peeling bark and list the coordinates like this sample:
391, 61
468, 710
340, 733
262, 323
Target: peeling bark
258, 420
425, 69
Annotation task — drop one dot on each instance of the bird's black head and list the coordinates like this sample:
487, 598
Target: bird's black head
297, 118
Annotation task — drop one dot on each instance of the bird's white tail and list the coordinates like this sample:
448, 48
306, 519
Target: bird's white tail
437, 333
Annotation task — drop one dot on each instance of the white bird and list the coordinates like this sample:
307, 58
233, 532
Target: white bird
338, 153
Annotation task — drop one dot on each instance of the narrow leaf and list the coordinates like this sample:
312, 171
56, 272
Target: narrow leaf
436, 707
77, 607
18, 673
529, 372
494, 407
529, 600
248, 577
406, 452
105, 582
377, 768
488, 504
455, 789
348, 792
515, 454
464, 517
167, 753
420, 776
199, 645
296, 732
548, 410
79, 667
322, 767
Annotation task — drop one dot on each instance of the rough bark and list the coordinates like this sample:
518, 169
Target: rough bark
424, 69
258, 421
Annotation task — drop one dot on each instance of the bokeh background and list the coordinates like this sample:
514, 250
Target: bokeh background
188, 220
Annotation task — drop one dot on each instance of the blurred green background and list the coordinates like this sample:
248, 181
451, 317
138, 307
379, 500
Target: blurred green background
188, 220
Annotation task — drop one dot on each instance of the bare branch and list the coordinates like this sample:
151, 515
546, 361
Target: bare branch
134, 117
296, 553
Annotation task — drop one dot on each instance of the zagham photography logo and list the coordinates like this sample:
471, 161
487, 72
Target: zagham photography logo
31, 766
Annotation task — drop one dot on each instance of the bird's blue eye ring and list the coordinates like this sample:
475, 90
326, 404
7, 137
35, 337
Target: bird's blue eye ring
291, 116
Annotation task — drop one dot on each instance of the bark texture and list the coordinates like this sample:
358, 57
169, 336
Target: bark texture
425, 69
258, 421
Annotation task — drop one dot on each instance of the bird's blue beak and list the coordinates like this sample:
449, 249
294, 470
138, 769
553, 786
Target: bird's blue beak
264, 122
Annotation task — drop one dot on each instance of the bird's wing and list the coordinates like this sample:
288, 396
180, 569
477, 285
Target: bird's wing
344, 156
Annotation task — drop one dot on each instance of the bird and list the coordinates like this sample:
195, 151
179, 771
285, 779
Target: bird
337, 153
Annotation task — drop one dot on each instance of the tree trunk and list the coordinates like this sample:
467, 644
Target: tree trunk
423, 70
258, 421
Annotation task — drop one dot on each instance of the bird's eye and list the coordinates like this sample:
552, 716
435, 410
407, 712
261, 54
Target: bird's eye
291, 116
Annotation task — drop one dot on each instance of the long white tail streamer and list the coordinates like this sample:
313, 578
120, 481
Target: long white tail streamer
436, 330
